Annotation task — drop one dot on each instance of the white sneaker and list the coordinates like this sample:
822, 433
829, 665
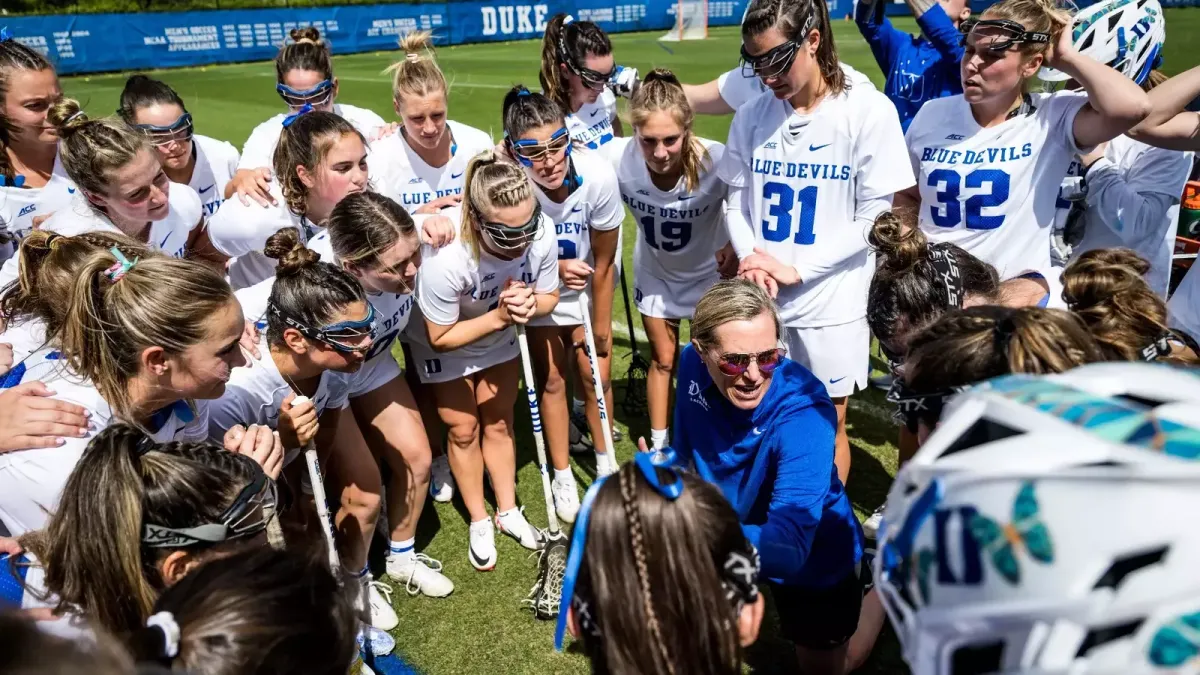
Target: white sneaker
379, 597
420, 574
482, 547
566, 499
441, 481
871, 525
514, 525
375, 642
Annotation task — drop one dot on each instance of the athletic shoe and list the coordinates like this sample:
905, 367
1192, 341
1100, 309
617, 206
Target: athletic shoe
375, 642
566, 499
514, 525
441, 481
482, 547
579, 425
379, 596
882, 381
363, 669
579, 444
871, 525
420, 574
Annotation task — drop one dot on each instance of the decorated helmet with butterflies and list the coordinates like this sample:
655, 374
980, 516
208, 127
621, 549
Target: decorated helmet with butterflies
1048, 525
1127, 35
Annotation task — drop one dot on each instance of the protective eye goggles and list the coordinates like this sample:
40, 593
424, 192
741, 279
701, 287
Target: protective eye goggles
506, 238
771, 64
736, 364
739, 571
179, 132
249, 514
344, 336
317, 96
529, 151
913, 407
592, 79
998, 35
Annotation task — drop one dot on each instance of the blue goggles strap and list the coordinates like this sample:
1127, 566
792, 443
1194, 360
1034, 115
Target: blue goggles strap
184, 122
527, 142
304, 110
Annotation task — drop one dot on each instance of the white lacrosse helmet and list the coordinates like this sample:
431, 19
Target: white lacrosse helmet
1049, 526
1127, 35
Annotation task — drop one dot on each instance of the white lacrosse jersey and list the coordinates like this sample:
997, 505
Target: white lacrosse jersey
679, 231
259, 150
1139, 169
216, 162
412, 182
736, 89
392, 310
169, 235
993, 192
32, 480
594, 205
1183, 309
240, 231
25, 335
18, 207
255, 396
815, 184
591, 125
453, 286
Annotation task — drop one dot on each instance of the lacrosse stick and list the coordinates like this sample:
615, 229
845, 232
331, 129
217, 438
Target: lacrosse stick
634, 404
590, 347
552, 564
318, 488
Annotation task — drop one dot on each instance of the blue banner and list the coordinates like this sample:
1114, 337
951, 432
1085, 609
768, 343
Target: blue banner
89, 43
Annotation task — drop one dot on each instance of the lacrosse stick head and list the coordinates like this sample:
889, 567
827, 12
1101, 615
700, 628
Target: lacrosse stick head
546, 594
634, 403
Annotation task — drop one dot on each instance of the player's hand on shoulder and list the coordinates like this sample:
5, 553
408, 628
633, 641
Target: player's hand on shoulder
727, 262
437, 231
574, 273
762, 280
437, 205
253, 184
30, 419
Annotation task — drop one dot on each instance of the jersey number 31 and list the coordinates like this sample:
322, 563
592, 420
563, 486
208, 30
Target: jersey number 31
782, 202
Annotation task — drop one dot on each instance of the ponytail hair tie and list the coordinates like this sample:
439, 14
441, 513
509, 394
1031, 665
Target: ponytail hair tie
77, 113
5, 36
1003, 332
568, 19
165, 622
412, 57
120, 268
304, 109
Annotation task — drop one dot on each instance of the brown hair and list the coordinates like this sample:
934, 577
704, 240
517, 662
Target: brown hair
651, 575
29, 650
1107, 289
160, 301
490, 184
790, 17
306, 51
565, 44
253, 612
907, 292
49, 266
305, 289
92, 549
970, 345
730, 300
417, 73
306, 142
14, 56
365, 225
91, 150
662, 92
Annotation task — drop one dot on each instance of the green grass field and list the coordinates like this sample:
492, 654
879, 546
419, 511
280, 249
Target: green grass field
482, 628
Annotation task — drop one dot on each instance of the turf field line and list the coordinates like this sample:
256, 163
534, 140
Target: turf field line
872, 410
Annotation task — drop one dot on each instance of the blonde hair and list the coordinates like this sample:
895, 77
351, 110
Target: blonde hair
91, 150
160, 301
662, 92
1040, 16
491, 183
417, 74
731, 300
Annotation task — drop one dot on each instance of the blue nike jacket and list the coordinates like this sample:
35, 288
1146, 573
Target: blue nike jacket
775, 465
918, 68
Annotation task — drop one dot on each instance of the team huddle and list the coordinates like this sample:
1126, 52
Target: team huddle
202, 347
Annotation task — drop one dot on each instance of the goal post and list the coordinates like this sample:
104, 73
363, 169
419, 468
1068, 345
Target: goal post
691, 21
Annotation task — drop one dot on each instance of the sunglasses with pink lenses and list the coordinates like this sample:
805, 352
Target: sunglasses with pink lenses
737, 364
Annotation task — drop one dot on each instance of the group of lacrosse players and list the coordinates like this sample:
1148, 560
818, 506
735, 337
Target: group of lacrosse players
205, 351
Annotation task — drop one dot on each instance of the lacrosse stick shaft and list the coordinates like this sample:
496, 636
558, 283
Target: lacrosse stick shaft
628, 313
535, 415
585, 315
318, 488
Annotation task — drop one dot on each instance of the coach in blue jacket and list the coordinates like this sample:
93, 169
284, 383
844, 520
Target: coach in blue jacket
761, 426
918, 68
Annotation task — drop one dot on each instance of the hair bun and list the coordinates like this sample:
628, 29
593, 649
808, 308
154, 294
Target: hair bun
306, 34
898, 241
66, 116
664, 75
293, 256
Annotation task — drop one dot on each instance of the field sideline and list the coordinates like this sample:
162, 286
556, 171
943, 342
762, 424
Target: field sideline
482, 628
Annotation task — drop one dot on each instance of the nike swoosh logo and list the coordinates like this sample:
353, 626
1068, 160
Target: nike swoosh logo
594, 113
577, 209
814, 148
757, 431
71, 191
456, 175
164, 241
479, 562
203, 190
684, 198
836, 380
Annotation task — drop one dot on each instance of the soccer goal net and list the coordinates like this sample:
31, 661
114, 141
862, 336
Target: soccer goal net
691, 21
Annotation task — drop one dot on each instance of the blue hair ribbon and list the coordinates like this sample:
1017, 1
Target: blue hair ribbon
5, 35
287, 121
